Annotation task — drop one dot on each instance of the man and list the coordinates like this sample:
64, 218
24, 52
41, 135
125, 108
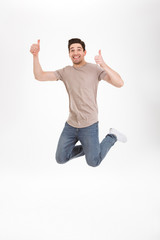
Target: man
81, 82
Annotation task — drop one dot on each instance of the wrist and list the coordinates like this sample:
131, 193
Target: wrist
35, 55
103, 65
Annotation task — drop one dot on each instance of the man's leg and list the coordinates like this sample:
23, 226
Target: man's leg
66, 148
94, 151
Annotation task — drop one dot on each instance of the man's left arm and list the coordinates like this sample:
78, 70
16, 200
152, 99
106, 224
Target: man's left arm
111, 77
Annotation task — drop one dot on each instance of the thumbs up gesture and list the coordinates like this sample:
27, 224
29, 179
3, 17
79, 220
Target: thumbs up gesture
35, 48
99, 60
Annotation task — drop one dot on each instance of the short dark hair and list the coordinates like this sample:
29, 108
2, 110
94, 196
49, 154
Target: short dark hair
76, 40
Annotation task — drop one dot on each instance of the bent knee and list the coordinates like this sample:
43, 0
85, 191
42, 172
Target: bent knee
61, 159
93, 163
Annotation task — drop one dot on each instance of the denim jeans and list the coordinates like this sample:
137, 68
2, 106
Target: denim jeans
90, 147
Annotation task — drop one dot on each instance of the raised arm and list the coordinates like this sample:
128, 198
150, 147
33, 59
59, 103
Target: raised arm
39, 74
111, 77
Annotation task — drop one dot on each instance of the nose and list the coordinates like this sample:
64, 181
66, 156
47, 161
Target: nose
76, 53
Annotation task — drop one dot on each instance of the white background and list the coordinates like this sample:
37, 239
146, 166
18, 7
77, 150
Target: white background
40, 199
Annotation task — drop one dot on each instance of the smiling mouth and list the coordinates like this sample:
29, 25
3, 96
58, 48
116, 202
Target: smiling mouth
76, 57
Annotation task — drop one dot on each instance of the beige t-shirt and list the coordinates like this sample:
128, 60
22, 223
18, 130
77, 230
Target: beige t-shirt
81, 84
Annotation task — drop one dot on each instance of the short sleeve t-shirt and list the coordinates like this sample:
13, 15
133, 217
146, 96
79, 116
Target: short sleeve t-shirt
81, 84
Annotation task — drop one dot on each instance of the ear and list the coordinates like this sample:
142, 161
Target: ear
85, 53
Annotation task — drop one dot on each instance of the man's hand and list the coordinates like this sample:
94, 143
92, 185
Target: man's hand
35, 48
99, 60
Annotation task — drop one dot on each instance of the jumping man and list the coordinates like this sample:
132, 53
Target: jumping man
81, 81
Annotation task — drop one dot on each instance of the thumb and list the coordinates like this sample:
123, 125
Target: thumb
100, 52
38, 42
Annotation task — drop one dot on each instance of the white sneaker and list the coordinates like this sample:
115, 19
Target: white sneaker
120, 137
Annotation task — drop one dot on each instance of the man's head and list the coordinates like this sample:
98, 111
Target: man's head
77, 50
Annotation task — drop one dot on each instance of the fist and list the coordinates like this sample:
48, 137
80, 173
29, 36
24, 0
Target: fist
99, 60
35, 48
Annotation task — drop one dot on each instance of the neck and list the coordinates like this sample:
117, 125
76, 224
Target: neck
79, 64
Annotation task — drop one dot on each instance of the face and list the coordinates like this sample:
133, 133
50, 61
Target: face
76, 53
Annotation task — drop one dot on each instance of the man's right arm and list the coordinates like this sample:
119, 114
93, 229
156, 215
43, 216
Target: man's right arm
39, 74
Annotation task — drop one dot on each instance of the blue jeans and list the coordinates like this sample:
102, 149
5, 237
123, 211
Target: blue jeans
90, 147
